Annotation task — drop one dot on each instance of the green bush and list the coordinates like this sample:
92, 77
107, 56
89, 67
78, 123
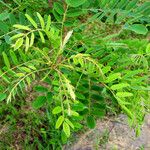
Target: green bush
81, 70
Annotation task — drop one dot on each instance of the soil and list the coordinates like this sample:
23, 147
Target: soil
114, 135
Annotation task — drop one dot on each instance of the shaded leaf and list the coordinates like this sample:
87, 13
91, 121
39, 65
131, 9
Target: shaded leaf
90, 122
2, 96
75, 3
6, 60
138, 28
39, 102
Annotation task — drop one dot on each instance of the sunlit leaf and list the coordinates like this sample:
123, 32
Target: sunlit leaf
57, 110
42, 37
31, 20
27, 44
59, 122
66, 129
124, 94
32, 39
48, 23
22, 27
18, 43
41, 20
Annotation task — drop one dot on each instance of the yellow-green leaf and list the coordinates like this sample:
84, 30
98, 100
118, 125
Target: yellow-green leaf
66, 129
48, 23
124, 94
41, 20
57, 110
42, 37
148, 49
27, 44
25, 69
119, 86
18, 43
31, 20
17, 36
69, 123
59, 122
20, 75
32, 39
22, 27
113, 77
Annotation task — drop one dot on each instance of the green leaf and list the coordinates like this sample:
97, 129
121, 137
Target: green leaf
4, 27
2, 96
49, 97
66, 129
17, 36
41, 20
74, 113
42, 37
99, 112
119, 86
138, 28
78, 107
18, 43
63, 137
27, 44
48, 23
59, 122
22, 27
31, 20
24, 69
14, 57
69, 123
20, 75
12, 19
124, 94
41, 89
6, 60
113, 77
59, 8
57, 110
127, 111
32, 39
106, 69
75, 3
91, 122
4, 77
74, 13
148, 49
39, 102
4, 16
7, 39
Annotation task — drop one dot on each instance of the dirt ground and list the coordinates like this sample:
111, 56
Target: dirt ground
114, 135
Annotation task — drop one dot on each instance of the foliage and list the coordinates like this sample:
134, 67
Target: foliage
82, 71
